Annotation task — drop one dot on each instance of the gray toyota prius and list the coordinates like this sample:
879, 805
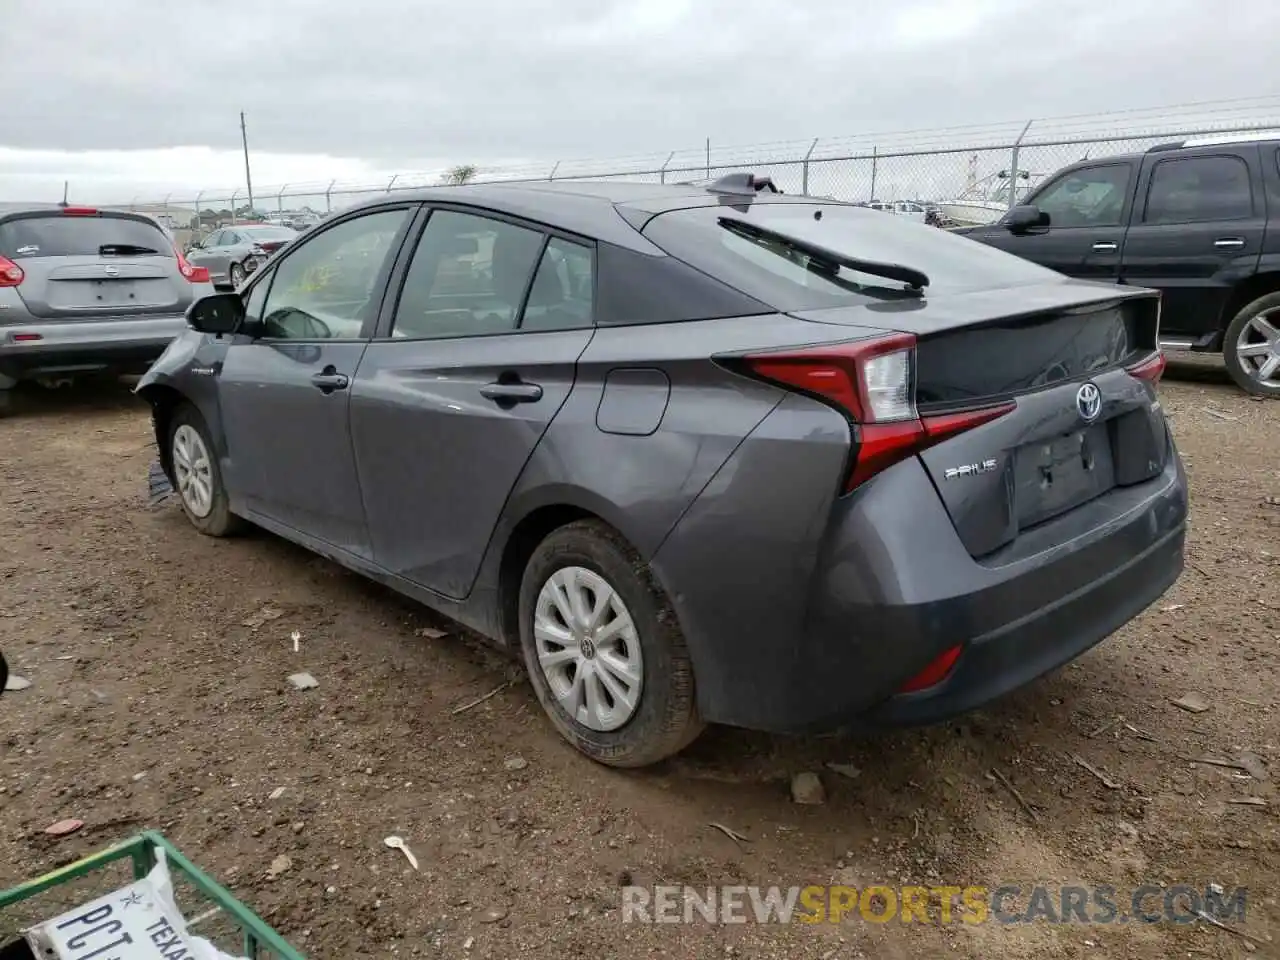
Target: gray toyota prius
700, 454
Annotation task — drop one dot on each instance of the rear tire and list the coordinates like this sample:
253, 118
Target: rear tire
620, 686
1248, 330
197, 476
235, 275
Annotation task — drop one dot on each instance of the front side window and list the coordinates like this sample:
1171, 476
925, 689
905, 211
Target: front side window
328, 287
1196, 189
1089, 197
468, 277
257, 299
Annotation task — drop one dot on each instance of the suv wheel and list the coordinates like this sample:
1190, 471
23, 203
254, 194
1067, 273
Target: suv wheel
196, 475
1252, 347
604, 653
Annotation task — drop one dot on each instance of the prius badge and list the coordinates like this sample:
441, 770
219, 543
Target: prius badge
970, 469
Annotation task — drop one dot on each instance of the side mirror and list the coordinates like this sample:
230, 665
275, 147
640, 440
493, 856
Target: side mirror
1026, 218
218, 313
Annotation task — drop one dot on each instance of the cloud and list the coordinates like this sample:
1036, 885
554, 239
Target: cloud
385, 85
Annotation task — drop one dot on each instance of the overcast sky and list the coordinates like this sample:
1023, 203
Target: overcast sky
133, 97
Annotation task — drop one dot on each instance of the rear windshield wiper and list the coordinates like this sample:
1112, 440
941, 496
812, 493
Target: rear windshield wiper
125, 250
824, 257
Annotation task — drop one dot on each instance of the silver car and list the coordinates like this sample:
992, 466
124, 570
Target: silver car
232, 253
86, 291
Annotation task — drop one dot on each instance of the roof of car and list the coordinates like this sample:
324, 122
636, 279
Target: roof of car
608, 210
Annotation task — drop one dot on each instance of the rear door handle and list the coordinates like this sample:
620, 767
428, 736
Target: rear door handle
329, 380
509, 393
1105, 246
1229, 243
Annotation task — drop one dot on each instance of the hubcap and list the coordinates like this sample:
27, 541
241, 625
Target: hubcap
588, 648
194, 471
1259, 348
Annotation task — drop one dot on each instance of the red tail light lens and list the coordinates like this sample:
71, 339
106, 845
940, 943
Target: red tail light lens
10, 273
938, 670
192, 274
872, 382
79, 212
1150, 369
26, 337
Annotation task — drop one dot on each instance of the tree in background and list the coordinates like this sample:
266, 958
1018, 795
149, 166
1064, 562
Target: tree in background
463, 173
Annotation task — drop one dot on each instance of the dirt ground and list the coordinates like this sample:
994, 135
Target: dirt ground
159, 658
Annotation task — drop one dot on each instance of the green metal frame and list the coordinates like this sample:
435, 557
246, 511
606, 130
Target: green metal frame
140, 849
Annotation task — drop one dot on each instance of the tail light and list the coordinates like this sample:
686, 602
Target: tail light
939, 669
10, 273
192, 274
872, 382
1150, 369
79, 211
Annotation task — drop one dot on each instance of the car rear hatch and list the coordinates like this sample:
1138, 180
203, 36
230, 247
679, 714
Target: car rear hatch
1059, 417
79, 265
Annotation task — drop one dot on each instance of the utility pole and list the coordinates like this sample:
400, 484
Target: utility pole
248, 179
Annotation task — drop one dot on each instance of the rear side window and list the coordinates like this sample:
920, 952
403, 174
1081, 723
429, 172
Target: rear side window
1196, 189
56, 235
468, 277
785, 280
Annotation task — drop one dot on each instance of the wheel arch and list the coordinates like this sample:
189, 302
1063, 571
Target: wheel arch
164, 399
1244, 293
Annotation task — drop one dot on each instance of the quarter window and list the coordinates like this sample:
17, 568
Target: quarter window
468, 277
1196, 189
329, 287
1089, 197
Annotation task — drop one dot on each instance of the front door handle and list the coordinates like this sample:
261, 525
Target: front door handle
1105, 246
1229, 243
329, 380
510, 393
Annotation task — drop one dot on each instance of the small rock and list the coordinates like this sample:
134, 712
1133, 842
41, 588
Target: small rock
807, 789
493, 915
279, 865
1127, 829
331, 890
276, 794
299, 827
430, 633
139, 776
470, 942
516, 763
844, 769
63, 828
1252, 764
303, 681
16, 683
265, 615
1192, 702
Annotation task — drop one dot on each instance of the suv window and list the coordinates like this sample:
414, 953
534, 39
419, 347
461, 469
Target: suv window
326, 288
1195, 189
1088, 197
468, 277
56, 235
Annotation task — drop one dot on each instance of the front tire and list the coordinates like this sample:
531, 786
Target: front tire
603, 649
1251, 347
197, 477
235, 275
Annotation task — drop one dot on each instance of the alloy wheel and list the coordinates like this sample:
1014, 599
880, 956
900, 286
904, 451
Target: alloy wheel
193, 470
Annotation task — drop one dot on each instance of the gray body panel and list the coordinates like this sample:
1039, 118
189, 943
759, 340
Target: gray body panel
803, 606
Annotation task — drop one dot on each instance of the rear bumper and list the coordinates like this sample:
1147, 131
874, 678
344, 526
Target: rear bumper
819, 632
85, 346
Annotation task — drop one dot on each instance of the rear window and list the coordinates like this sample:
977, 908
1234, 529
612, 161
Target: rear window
55, 235
781, 277
268, 233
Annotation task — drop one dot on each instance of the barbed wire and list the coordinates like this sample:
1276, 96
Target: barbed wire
935, 148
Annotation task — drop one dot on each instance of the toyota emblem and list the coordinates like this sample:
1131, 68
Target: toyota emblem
111, 271
1089, 402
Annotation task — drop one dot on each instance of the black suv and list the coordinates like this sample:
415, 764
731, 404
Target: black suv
1197, 220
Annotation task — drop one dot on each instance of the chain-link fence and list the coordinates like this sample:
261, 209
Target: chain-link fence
965, 170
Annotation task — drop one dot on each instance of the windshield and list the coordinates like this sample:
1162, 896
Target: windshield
57, 235
787, 280
268, 233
